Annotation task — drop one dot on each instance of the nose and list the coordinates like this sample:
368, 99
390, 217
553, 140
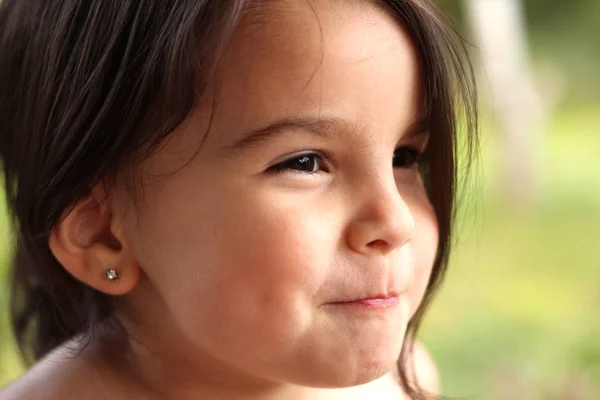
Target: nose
383, 220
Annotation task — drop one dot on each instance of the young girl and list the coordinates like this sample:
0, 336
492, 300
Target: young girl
227, 199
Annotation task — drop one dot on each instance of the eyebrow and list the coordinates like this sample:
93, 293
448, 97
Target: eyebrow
332, 127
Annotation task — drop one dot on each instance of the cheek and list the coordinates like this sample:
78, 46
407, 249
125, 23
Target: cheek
239, 262
272, 260
425, 244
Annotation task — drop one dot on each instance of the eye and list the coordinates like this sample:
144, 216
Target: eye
306, 163
406, 157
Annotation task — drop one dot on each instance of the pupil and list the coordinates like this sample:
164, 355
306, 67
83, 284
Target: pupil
305, 163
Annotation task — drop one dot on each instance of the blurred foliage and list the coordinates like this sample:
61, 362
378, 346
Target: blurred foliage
546, 17
10, 365
563, 37
518, 315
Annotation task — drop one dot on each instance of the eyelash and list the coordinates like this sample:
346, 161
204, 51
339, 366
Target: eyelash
287, 165
415, 154
320, 161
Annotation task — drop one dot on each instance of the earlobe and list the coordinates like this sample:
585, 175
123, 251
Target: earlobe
85, 242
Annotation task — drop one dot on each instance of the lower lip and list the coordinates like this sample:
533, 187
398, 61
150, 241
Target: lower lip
374, 303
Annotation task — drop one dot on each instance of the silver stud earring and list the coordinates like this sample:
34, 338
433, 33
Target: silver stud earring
111, 275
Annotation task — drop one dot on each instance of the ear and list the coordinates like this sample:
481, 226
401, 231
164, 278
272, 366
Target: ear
88, 241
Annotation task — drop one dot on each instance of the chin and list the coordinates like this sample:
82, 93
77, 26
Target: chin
352, 378
346, 373
368, 375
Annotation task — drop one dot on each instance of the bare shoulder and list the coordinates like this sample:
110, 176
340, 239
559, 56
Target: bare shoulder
426, 371
35, 384
55, 377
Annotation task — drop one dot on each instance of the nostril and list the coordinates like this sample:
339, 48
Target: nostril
376, 244
385, 246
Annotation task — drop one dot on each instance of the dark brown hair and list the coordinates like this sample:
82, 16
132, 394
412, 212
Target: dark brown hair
89, 87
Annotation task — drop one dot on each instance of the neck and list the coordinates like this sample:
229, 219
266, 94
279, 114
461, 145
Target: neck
135, 371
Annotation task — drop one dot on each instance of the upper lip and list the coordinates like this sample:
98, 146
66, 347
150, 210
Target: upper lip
384, 286
387, 295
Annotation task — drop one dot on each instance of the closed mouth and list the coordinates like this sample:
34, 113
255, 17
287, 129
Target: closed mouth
376, 302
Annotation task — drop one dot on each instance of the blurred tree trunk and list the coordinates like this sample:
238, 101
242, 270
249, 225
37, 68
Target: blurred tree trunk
499, 29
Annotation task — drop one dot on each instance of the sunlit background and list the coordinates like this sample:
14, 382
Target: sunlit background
519, 314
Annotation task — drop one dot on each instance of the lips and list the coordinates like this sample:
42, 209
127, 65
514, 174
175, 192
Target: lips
377, 302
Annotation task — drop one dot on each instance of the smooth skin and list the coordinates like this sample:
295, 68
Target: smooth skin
236, 254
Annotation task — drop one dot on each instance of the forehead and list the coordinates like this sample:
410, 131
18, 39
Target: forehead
349, 59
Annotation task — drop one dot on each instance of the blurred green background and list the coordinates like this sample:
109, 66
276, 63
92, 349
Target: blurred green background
519, 314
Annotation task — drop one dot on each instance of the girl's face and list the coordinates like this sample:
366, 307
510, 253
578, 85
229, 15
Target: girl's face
304, 198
